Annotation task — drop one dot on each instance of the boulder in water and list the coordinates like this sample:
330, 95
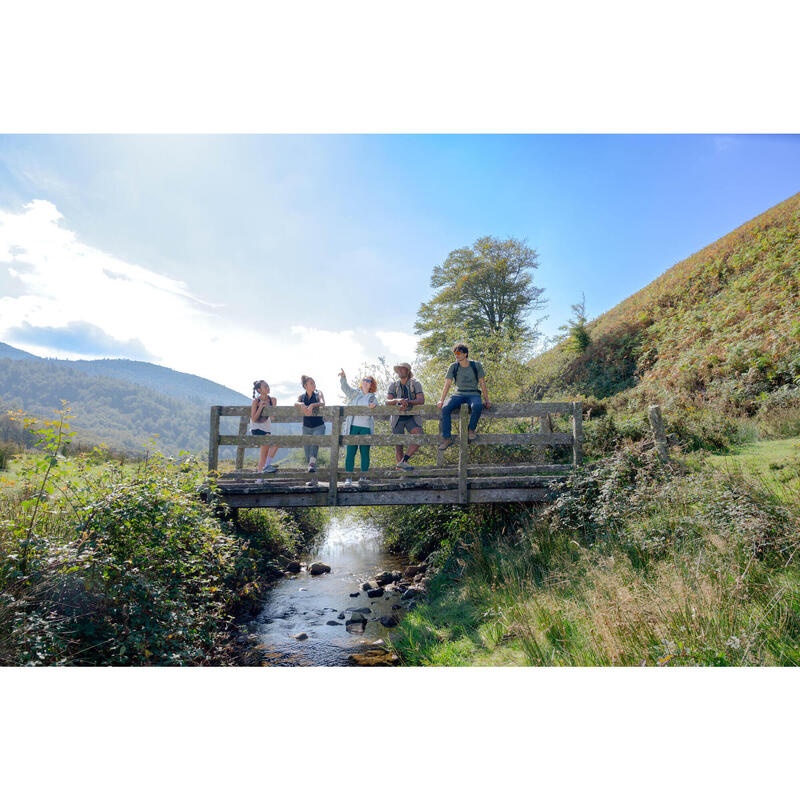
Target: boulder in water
301, 637
354, 594
383, 578
374, 658
357, 623
389, 621
332, 622
293, 566
378, 592
318, 567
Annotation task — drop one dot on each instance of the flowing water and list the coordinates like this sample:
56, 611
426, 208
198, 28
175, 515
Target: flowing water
307, 604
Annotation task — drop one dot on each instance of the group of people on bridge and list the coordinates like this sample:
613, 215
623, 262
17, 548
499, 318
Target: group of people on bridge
406, 391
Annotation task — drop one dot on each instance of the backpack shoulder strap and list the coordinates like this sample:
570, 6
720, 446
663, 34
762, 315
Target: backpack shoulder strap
474, 370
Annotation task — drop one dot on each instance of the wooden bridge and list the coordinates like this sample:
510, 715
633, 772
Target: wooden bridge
461, 483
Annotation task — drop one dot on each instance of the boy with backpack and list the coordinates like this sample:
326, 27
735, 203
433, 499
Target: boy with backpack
469, 377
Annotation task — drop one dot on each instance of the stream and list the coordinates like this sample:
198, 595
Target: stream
312, 605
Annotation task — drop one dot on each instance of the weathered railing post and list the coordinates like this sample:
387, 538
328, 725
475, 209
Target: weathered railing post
213, 439
336, 431
463, 455
240, 449
577, 434
659, 433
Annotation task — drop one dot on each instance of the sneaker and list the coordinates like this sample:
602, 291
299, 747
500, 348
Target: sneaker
312, 467
471, 435
348, 482
403, 465
363, 482
311, 482
446, 443
270, 468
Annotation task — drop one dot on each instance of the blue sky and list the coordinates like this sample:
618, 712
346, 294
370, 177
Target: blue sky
235, 255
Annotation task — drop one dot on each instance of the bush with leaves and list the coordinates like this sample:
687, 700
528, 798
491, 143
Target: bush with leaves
123, 566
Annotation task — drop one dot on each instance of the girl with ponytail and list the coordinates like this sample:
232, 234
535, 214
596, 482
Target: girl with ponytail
261, 424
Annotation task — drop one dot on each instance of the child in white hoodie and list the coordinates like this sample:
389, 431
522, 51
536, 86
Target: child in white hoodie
358, 425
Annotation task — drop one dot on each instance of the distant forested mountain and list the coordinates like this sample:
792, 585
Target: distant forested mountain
7, 351
121, 403
116, 412
118, 402
162, 379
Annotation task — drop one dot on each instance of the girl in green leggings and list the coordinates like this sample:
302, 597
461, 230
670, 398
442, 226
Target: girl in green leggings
359, 425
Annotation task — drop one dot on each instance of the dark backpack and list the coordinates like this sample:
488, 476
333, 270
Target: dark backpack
458, 366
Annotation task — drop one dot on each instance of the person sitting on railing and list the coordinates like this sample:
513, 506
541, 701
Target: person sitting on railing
360, 425
469, 377
261, 424
404, 393
310, 399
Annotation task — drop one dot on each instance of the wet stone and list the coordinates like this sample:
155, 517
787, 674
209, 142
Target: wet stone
301, 637
332, 622
373, 658
354, 594
378, 592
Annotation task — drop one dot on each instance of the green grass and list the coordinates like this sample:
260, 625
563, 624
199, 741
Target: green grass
659, 568
776, 462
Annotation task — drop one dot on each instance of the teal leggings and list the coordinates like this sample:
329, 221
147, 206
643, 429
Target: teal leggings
350, 456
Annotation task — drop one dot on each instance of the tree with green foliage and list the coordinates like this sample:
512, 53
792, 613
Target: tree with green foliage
577, 335
485, 289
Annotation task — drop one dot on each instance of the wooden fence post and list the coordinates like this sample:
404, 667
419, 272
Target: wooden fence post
463, 455
336, 431
240, 449
213, 439
439, 453
659, 434
577, 434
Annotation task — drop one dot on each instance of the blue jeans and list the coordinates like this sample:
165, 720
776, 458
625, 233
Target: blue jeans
456, 401
311, 450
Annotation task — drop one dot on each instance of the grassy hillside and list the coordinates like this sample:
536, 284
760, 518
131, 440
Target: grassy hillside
720, 329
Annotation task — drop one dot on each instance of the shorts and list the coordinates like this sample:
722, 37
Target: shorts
258, 432
404, 424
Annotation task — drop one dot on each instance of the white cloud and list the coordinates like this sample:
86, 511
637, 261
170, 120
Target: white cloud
67, 284
400, 343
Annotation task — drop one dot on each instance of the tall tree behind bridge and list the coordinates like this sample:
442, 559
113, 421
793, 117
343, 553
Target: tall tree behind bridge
481, 291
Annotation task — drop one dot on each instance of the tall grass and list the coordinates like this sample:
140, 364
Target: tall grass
652, 568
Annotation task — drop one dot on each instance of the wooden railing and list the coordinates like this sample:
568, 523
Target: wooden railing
334, 440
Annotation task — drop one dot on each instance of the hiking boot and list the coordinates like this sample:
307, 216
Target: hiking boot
312, 482
363, 482
446, 443
348, 482
471, 435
